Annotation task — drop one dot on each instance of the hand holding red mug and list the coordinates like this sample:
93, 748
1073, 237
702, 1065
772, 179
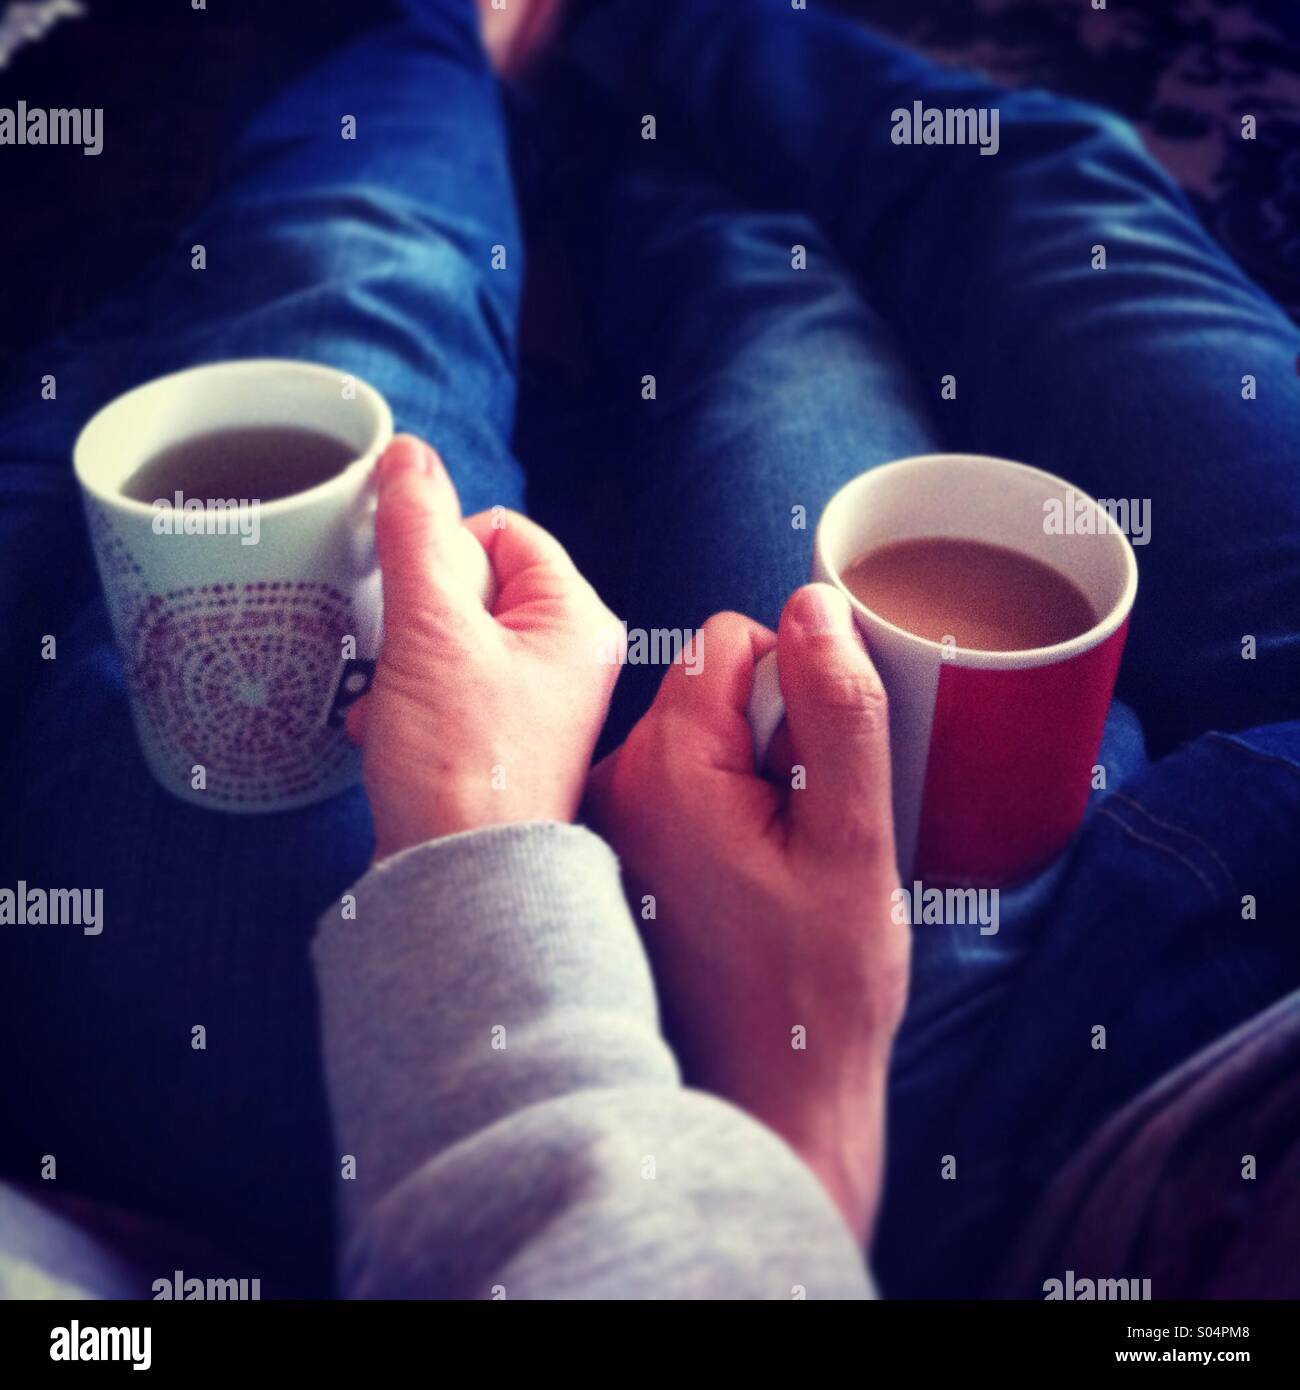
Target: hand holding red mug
992, 751
782, 970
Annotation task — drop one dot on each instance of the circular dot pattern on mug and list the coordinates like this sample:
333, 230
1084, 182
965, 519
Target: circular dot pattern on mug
123, 577
239, 678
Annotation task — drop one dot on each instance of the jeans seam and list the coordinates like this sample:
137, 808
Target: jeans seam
1161, 845
1177, 830
1271, 758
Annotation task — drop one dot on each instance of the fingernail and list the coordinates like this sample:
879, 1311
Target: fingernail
820, 608
403, 456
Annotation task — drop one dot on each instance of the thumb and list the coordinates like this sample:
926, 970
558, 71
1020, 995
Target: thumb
417, 525
839, 726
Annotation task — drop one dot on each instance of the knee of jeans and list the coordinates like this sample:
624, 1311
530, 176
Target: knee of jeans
372, 249
783, 241
683, 217
747, 247
777, 296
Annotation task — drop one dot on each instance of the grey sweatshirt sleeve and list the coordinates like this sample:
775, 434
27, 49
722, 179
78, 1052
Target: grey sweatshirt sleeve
511, 1123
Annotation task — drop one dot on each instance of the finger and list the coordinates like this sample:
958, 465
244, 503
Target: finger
540, 589
839, 726
708, 690
416, 535
527, 560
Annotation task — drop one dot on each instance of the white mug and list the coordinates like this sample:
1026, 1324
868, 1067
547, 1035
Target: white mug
242, 658
992, 752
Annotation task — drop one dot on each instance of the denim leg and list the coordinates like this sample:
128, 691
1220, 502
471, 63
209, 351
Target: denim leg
374, 255
774, 382
1130, 381
1172, 920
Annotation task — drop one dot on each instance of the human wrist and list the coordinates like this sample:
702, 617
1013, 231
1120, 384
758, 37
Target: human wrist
433, 813
840, 1136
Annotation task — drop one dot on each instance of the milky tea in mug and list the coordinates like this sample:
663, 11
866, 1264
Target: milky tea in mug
970, 593
997, 635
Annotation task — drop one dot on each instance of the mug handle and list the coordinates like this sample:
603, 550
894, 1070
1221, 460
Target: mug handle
480, 568
766, 707
357, 676
475, 559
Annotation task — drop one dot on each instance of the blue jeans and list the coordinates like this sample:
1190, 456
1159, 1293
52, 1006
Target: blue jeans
773, 386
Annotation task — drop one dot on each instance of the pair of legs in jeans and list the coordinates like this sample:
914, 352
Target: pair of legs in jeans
773, 385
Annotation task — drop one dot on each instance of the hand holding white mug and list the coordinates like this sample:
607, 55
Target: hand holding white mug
782, 970
475, 717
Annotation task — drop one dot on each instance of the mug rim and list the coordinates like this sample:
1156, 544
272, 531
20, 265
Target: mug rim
380, 437
975, 657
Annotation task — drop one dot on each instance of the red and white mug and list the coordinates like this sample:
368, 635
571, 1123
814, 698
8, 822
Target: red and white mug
992, 752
